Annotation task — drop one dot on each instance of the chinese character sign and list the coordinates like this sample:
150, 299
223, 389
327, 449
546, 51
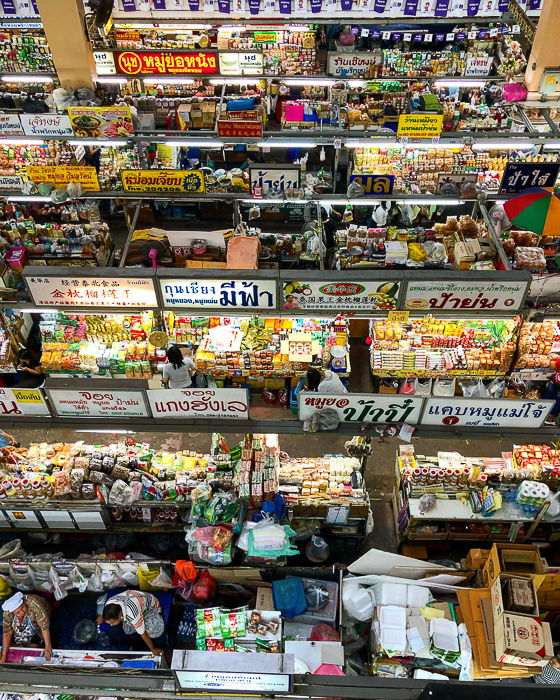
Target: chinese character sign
219, 294
344, 297
99, 292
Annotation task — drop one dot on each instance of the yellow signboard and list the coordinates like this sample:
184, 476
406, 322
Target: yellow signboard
418, 126
189, 181
62, 175
28, 396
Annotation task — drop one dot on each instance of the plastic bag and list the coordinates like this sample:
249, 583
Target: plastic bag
444, 387
322, 632
95, 584
325, 419
146, 576
20, 577
407, 387
474, 389
204, 588
162, 581
422, 387
289, 597
58, 591
11, 550
358, 601
496, 388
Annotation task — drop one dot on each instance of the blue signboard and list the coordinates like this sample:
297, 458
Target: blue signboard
521, 176
375, 184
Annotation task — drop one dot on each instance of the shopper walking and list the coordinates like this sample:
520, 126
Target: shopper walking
26, 621
178, 371
552, 391
138, 611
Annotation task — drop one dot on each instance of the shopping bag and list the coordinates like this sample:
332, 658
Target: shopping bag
444, 387
422, 387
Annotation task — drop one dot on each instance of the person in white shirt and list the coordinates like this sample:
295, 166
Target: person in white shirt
179, 370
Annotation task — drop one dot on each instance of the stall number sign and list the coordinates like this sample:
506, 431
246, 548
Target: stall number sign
104, 62
92, 404
234, 295
22, 402
221, 404
478, 66
249, 63
498, 413
465, 296
340, 296
98, 292
420, 125
375, 184
363, 408
46, 124
520, 176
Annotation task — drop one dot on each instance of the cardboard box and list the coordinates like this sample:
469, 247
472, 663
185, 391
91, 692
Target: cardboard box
522, 640
264, 599
476, 558
498, 601
520, 559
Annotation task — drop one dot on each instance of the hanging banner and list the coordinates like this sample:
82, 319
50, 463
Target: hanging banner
347, 64
99, 292
495, 413
101, 122
63, 175
231, 295
10, 125
375, 184
441, 8
465, 296
344, 297
363, 408
520, 176
162, 63
420, 125
223, 404
91, 404
46, 124
191, 181
22, 402
411, 7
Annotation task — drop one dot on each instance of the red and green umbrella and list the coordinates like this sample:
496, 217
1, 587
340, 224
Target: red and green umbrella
536, 209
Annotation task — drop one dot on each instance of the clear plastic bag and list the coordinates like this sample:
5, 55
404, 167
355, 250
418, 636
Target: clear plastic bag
444, 387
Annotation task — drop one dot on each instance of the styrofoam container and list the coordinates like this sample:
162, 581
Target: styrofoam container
393, 639
392, 616
390, 594
444, 634
417, 596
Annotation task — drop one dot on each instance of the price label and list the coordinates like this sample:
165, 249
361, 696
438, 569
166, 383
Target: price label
337, 515
471, 35
147, 515
494, 32
386, 35
398, 316
407, 37
450, 37
428, 37
516, 29
365, 32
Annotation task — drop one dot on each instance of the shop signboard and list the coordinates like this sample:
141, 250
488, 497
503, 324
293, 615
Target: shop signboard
223, 294
231, 681
478, 66
244, 63
101, 122
245, 129
363, 408
418, 126
10, 125
97, 404
348, 64
165, 63
478, 295
190, 181
340, 296
22, 402
104, 63
375, 184
224, 404
550, 82
485, 413
46, 124
520, 176
273, 180
265, 37
95, 292
63, 175
10, 183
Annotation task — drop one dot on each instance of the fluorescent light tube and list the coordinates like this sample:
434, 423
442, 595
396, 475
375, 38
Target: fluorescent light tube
30, 198
502, 145
99, 142
108, 80
26, 79
286, 144
168, 81
234, 81
459, 83
283, 200
23, 142
202, 143
37, 311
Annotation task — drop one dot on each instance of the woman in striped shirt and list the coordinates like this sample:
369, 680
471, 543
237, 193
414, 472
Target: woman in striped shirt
551, 672
131, 607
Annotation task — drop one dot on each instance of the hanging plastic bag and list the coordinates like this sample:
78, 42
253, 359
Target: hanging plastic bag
444, 387
146, 576
204, 589
407, 387
496, 388
422, 387
554, 509
12, 550
289, 596
58, 591
162, 581
474, 389
95, 584
20, 577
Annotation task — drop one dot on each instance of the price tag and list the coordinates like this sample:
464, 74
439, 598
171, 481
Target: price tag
450, 37
555, 346
147, 515
398, 316
435, 139
407, 37
365, 32
516, 29
386, 35
428, 37
337, 515
494, 32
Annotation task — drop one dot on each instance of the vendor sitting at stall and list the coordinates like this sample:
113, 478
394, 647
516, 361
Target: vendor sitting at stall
26, 620
139, 612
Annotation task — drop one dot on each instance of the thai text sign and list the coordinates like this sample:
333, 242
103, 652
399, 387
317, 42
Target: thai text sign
363, 408
101, 122
191, 181
502, 413
274, 179
63, 175
162, 63
92, 404
22, 402
244, 63
228, 127
219, 294
375, 184
10, 182
10, 125
46, 124
520, 176
92, 291
348, 64
199, 403
420, 125
478, 65
465, 296
340, 296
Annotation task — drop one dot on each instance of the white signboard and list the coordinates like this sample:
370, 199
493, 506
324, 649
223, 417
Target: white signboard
46, 124
10, 183
274, 181
363, 408
478, 65
10, 125
24, 518
22, 402
199, 403
477, 295
93, 404
340, 296
104, 62
348, 64
222, 680
249, 63
501, 413
98, 292
234, 295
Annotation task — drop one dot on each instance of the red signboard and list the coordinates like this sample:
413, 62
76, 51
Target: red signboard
239, 128
162, 63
